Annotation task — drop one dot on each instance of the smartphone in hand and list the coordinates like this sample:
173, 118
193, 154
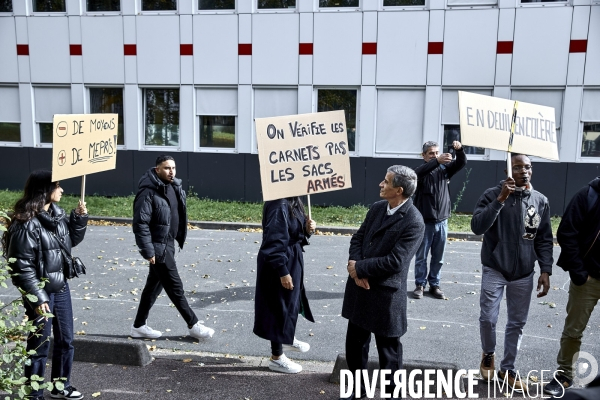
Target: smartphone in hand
452, 151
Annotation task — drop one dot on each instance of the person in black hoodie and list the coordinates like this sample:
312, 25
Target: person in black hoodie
514, 220
432, 199
160, 219
579, 238
31, 246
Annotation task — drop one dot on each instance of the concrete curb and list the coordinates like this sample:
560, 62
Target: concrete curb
409, 365
110, 351
336, 230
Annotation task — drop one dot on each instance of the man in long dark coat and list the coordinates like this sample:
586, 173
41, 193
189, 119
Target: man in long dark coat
380, 254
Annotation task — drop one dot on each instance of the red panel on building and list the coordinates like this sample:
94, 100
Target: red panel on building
306, 49
369, 48
504, 48
22, 49
435, 48
245, 49
75, 49
130, 49
578, 46
186, 49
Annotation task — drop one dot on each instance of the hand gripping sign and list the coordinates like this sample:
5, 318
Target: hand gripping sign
83, 144
507, 125
303, 154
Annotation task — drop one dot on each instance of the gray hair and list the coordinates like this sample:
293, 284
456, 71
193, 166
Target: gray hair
405, 178
429, 144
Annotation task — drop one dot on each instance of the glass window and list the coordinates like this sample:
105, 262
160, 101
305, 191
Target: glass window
590, 142
103, 5
217, 131
217, 111
50, 101
6, 6
276, 4
394, 3
162, 117
10, 115
341, 99
159, 5
338, 3
217, 4
108, 101
452, 133
49, 6
400, 132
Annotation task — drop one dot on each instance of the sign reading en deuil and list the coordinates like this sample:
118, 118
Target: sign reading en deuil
83, 144
486, 121
303, 154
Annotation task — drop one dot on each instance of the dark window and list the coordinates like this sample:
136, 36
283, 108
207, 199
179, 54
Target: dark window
159, 5
162, 117
590, 142
452, 133
108, 101
338, 3
276, 4
103, 5
10, 132
217, 131
49, 6
334, 99
539, 1
217, 4
46, 132
393, 3
6, 6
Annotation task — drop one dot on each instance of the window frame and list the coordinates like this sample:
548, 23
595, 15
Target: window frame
560, 3
356, 151
89, 105
157, 12
580, 158
20, 142
338, 9
275, 10
197, 123
152, 147
216, 11
120, 12
49, 13
38, 133
383, 7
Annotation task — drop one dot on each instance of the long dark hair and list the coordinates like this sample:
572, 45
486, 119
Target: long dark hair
295, 204
37, 193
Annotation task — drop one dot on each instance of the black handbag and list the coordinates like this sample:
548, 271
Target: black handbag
73, 266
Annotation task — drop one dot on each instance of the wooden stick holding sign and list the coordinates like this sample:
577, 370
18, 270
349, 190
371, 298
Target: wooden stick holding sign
308, 201
510, 141
83, 189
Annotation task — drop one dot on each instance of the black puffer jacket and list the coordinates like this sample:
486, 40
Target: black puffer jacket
432, 197
152, 216
34, 246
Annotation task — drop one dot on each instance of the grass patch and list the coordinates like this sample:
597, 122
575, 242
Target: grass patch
231, 211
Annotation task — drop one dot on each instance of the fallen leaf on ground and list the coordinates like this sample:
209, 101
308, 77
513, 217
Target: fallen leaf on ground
96, 394
187, 360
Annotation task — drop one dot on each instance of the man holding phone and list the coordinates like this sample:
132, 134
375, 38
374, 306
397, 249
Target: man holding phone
432, 199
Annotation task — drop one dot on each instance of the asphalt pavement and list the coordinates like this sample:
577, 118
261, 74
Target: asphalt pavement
218, 268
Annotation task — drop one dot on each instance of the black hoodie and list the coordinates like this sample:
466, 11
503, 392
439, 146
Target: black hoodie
576, 232
152, 216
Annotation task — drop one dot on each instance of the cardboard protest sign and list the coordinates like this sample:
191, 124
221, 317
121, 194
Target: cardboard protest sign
303, 154
486, 121
83, 144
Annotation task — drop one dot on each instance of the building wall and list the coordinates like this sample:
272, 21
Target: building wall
405, 65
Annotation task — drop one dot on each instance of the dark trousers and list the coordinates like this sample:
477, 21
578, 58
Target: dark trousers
276, 348
62, 326
357, 351
164, 275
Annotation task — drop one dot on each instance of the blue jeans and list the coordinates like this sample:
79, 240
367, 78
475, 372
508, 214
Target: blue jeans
434, 238
62, 326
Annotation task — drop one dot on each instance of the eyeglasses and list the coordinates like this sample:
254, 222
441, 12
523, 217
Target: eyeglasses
521, 167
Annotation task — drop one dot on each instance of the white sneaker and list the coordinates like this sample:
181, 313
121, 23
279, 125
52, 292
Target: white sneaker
299, 346
144, 331
200, 331
285, 365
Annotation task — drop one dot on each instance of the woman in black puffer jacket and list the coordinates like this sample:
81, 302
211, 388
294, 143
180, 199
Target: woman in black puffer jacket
32, 241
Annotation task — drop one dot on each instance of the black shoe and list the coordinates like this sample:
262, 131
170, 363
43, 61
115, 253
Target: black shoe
67, 393
558, 385
436, 292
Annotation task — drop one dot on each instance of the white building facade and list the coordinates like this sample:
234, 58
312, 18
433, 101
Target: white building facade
189, 76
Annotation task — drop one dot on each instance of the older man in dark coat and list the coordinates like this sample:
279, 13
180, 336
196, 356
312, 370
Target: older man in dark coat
380, 254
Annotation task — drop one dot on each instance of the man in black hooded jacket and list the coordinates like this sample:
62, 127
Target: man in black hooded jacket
579, 238
160, 219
